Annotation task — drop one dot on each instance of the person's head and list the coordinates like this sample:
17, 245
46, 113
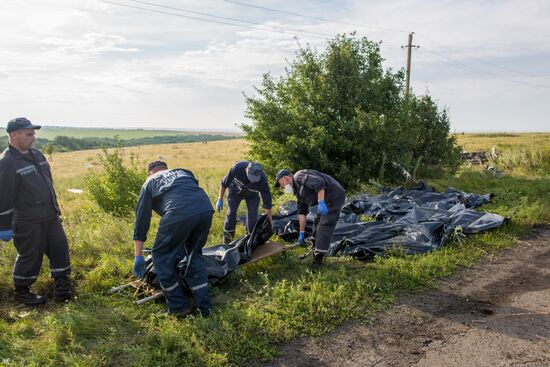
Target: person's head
21, 133
155, 167
284, 180
254, 172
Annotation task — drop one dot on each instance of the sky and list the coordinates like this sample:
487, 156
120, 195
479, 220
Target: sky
91, 63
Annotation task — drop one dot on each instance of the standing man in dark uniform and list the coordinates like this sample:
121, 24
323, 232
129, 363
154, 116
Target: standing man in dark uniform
29, 213
244, 181
315, 188
186, 217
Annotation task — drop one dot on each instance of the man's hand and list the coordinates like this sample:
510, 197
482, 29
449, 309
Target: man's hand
139, 266
6, 235
323, 210
269, 214
219, 205
301, 239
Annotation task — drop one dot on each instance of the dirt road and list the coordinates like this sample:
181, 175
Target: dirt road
494, 314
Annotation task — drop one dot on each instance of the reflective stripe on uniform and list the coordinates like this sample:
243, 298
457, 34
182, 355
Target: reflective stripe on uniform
26, 168
7, 212
171, 288
60, 269
23, 277
199, 286
322, 251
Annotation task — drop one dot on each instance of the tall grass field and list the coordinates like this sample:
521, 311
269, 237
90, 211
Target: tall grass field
261, 305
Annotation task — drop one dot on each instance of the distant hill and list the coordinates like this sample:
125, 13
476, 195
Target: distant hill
50, 132
72, 139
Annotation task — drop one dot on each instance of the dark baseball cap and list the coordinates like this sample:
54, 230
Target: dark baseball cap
20, 123
254, 172
282, 173
155, 164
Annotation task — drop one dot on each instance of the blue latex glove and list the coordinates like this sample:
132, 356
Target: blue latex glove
323, 210
219, 205
139, 266
301, 239
6, 235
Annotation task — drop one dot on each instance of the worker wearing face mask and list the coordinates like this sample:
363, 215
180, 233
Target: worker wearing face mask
314, 188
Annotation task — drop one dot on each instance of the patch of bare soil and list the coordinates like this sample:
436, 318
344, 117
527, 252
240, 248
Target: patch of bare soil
496, 313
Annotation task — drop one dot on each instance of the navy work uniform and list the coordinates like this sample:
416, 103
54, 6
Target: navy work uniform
28, 204
307, 183
186, 217
240, 188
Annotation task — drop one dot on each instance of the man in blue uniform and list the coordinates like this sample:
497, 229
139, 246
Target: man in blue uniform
186, 217
315, 188
244, 181
29, 213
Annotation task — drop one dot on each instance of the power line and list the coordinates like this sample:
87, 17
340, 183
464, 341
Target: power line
389, 29
226, 18
269, 28
478, 59
481, 72
311, 17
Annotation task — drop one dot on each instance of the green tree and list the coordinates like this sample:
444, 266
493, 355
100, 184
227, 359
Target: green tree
341, 112
116, 188
48, 150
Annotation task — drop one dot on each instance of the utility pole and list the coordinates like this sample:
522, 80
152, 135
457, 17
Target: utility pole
409, 48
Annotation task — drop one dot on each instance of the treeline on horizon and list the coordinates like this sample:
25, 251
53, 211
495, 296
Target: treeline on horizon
69, 144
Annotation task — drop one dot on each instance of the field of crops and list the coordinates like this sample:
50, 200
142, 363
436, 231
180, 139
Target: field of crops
260, 305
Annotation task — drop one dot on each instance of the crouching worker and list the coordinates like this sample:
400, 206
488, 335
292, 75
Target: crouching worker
186, 217
243, 182
315, 188
29, 213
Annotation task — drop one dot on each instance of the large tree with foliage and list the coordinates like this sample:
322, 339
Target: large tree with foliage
339, 111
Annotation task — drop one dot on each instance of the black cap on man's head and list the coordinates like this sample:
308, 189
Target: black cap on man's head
282, 173
20, 123
156, 164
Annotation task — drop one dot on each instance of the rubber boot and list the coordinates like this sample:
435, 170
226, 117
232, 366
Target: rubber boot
24, 295
317, 263
63, 290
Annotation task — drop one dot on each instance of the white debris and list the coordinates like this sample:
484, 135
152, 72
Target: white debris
76, 191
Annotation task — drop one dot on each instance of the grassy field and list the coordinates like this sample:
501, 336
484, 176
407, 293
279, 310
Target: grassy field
502, 141
50, 132
260, 305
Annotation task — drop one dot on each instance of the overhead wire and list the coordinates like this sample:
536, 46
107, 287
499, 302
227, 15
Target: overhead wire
267, 28
477, 58
481, 72
218, 19
312, 17
227, 18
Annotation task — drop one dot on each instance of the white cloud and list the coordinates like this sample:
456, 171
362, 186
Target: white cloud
89, 44
87, 62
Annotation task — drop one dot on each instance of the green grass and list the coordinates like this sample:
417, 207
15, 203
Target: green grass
258, 306
50, 132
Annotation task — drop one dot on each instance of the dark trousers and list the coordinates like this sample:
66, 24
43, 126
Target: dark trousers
323, 225
174, 242
233, 201
34, 240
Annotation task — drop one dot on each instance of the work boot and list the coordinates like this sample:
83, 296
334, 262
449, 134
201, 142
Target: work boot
317, 263
227, 237
181, 313
63, 290
24, 295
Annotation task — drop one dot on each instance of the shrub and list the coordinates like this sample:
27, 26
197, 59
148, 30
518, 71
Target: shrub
117, 187
342, 113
